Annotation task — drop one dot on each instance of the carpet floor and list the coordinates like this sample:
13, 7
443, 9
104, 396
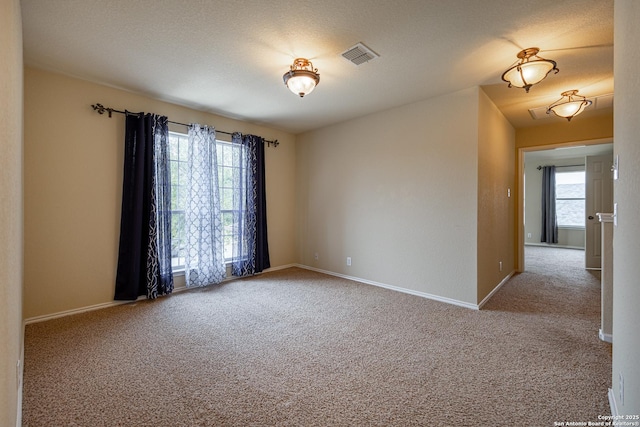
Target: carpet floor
299, 348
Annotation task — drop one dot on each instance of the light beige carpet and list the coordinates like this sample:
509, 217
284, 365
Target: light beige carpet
298, 348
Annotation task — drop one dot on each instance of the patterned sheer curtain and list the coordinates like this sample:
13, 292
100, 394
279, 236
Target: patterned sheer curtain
204, 259
144, 255
250, 246
549, 224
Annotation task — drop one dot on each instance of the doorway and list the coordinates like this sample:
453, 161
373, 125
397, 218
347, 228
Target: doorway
570, 159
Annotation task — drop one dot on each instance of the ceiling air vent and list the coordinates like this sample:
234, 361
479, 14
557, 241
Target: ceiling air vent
603, 101
359, 54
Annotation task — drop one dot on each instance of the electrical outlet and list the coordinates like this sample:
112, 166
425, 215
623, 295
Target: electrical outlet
500, 265
315, 256
348, 261
528, 235
508, 192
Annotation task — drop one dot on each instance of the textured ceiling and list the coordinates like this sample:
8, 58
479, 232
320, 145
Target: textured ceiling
228, 57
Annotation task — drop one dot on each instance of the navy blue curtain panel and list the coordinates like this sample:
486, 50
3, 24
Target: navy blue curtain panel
144, 256
251, 250
549, 229
262, 245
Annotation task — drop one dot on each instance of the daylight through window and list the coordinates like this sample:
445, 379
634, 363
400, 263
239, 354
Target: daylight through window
178, 144
570, 198
230, 174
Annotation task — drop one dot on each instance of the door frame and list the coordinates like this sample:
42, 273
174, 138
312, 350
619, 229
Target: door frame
520, 267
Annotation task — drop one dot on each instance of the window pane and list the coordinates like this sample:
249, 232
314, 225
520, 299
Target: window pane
570, 212
173, 146
227, 155
227, 177
228, 247
175, 194
184, 141
570, 185
226, 194
227, 223
570, 193
177, 239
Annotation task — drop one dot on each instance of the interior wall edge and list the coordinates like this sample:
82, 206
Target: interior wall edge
426, 295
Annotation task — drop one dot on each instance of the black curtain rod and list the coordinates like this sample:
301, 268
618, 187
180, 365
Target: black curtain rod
561, 166
101, 110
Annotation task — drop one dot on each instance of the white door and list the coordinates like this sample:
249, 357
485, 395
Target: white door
598, 198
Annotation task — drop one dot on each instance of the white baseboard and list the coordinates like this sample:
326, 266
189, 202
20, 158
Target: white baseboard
100, 306
605, 337
64, 313
394, 288
280, 267
496, 289
612, 404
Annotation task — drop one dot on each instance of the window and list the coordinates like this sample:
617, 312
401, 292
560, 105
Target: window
229, 174
178, 175
570, 193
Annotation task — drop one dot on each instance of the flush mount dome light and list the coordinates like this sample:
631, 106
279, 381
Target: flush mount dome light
570, 105
302, 78
529, 69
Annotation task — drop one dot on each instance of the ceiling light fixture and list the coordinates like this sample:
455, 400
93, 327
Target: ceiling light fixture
570, 105
529, 69
302, 78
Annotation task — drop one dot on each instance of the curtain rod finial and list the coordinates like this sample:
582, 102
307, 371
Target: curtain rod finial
101, 109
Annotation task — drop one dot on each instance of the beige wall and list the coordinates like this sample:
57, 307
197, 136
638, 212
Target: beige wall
574, 238
496, 180
11, 209
626, 235
562, 131
73, 187
397, 192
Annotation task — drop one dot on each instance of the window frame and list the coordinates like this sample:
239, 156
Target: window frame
221, 145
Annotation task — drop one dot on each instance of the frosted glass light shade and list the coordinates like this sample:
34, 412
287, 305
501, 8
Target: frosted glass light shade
570, 105
527, 71
301, 84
